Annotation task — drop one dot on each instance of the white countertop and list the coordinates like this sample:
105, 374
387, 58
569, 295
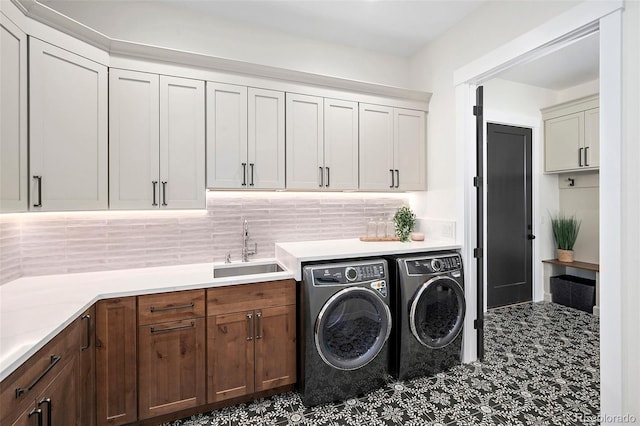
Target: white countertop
35, 309
293, 255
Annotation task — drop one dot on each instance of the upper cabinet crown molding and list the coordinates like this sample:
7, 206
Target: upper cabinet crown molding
45, 15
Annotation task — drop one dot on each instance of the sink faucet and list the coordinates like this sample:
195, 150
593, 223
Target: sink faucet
246, 252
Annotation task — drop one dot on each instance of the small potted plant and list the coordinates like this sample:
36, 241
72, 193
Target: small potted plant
565, 232
405, 221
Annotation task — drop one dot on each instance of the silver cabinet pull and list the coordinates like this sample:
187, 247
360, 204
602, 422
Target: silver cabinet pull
259, 325
328, 182
154, 185
249, 326
586, 157
88, 318
48, 402
392, 178
164, 193
321, 177
580, 157
251, 166
54, 360
171, 308
37, 412
39, 203
178, 327
397, 178
244, 174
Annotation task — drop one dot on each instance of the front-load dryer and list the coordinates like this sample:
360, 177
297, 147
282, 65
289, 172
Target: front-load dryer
345, 323
430, 308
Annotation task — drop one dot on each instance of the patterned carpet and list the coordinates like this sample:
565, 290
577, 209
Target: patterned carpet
541, 367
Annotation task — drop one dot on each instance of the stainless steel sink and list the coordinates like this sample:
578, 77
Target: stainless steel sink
224, 271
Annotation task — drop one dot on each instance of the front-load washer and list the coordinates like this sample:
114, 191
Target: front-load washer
429, 307
345, 323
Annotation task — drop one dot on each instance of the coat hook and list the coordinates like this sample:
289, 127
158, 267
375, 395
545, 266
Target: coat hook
571, 181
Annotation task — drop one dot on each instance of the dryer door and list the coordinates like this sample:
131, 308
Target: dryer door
352, 327
437, 312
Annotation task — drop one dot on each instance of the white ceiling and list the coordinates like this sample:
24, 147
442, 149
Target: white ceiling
398, 27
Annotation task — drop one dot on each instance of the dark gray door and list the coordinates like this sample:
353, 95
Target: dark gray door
509, 218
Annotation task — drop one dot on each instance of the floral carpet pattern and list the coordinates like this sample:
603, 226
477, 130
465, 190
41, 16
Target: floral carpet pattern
541, 367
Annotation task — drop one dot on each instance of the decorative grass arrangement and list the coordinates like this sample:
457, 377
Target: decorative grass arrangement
565, 231
405, 221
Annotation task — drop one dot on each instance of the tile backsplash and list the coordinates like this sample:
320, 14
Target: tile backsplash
58, 243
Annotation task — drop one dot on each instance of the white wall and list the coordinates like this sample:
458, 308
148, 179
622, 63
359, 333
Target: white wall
158, 24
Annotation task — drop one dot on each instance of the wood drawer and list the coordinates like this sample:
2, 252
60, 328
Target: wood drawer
38, 372
163, 307
246, 297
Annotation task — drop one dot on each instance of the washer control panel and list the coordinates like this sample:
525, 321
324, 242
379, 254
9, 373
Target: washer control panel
433, 264
357, 272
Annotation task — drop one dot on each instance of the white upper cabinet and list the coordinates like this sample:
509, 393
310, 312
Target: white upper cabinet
245, 137
182, 143
322, 143
340, 144
305, 135
68, 130
571, 136
134, 139
392, 148
156, 149
13, 118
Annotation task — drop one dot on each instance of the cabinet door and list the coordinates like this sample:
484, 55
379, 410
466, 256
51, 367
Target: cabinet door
305, 137
68, 130
376, 147
172, 366
87, 386
340, 144
116, 360
230, 356
13, 116
592, 138
275, 337
410, 149
134, 140
226, 136
182, 160
563, 140
266, 145
60, 400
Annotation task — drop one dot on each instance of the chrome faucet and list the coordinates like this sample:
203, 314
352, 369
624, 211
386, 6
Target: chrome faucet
246, 252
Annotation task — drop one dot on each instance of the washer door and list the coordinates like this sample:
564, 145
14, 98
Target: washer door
352, 328
437, 312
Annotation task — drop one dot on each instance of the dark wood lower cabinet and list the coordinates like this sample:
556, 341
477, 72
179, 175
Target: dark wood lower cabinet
87, 362
275, 356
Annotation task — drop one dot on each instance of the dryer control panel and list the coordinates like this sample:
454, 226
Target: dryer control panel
353, 273
433, 264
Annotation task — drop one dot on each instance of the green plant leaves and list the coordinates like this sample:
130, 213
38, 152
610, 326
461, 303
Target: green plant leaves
405, 221
565, 231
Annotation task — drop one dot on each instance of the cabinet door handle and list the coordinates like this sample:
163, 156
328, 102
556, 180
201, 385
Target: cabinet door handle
586, 156
249, 326
321, 177
328, 182
37, 412
164, 193
48, 402
154, 185
397, 178
171, 308
54, 360
88, 318
244, 174
178, 327
39, 203
251, 167
392, 178
580, 157
259, 325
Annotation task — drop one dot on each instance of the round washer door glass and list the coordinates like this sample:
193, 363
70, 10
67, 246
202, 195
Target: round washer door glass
352, 327
437, 312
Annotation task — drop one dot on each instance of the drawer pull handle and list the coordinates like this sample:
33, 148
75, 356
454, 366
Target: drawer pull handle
171, 308
249, 327
259, 325
37, 412
251, 165
54, 360
154, 183
39, 203
164, 193
49, 415
392, 179
179, 327
88, 318
244, 174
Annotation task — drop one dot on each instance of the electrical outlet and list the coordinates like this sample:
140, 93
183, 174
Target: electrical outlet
448, 230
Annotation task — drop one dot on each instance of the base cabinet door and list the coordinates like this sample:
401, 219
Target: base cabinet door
87, 366
172, 364
116, 361
231, 355
275, 353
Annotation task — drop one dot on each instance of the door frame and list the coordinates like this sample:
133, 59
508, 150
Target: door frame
553, 35
507, 119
